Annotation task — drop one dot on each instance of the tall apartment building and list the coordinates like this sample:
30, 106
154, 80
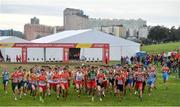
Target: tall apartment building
34, 20
75, 19
35, 30
143, 32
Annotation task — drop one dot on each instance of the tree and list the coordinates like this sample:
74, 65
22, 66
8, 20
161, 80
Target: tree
177, 33
158, 33
172, 36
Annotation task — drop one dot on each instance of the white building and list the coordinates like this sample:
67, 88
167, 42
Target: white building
143, 32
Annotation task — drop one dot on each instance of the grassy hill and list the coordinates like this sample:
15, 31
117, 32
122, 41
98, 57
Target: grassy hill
159, 48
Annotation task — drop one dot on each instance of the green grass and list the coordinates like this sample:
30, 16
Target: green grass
159, 48
160, 96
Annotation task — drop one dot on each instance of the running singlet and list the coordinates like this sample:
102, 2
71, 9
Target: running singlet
165, 73
105, 72
140, 77
49, 75
111, 75
130, 75
32, 79
42, 80
5, 75
165, 69
151, 75
100, 78
15, 77
120, 80
79, 76
56, 78
64, 77
20, 75
125, 74
91, 75
26, 74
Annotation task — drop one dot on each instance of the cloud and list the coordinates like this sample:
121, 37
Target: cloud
31, 9
18, 21
163, 12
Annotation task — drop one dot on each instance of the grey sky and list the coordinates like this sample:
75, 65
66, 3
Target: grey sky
15, 13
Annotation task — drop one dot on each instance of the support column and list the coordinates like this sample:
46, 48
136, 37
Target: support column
44, 54
65, 54
106, 55
24, 55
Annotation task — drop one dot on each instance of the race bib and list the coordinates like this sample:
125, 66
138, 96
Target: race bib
120, 82
64, 80
100, 80
79, 78
56, 81
15, 80
42, 83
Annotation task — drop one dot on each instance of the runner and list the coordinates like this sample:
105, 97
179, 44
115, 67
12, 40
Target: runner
56, 82
91, 82
79, 77
130, 80
166, 72
105, 82
5, 77
20, 81
151, 77
25, 80
120, 84
100, 83
140, 75
64, 77
85, 70
14, 78
42, 82
111, 79
125, 75
49, 72
32, 83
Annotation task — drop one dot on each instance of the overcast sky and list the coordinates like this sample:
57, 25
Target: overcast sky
15, 13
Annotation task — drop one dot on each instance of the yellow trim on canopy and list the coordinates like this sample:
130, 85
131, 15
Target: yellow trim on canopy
83, 45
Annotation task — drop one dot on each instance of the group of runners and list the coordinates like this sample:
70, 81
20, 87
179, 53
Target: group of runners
95, 81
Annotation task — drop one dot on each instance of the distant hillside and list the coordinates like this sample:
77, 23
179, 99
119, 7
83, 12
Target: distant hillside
159, 48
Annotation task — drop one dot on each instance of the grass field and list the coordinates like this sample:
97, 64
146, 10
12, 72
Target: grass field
160, 96
159, 48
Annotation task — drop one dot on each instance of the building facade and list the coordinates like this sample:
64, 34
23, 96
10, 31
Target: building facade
11, 32
143, 32
75, 19
34, 31
34, 20
117, 30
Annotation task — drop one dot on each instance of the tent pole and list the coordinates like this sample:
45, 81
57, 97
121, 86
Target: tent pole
65, 55
44, 54
24, 55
